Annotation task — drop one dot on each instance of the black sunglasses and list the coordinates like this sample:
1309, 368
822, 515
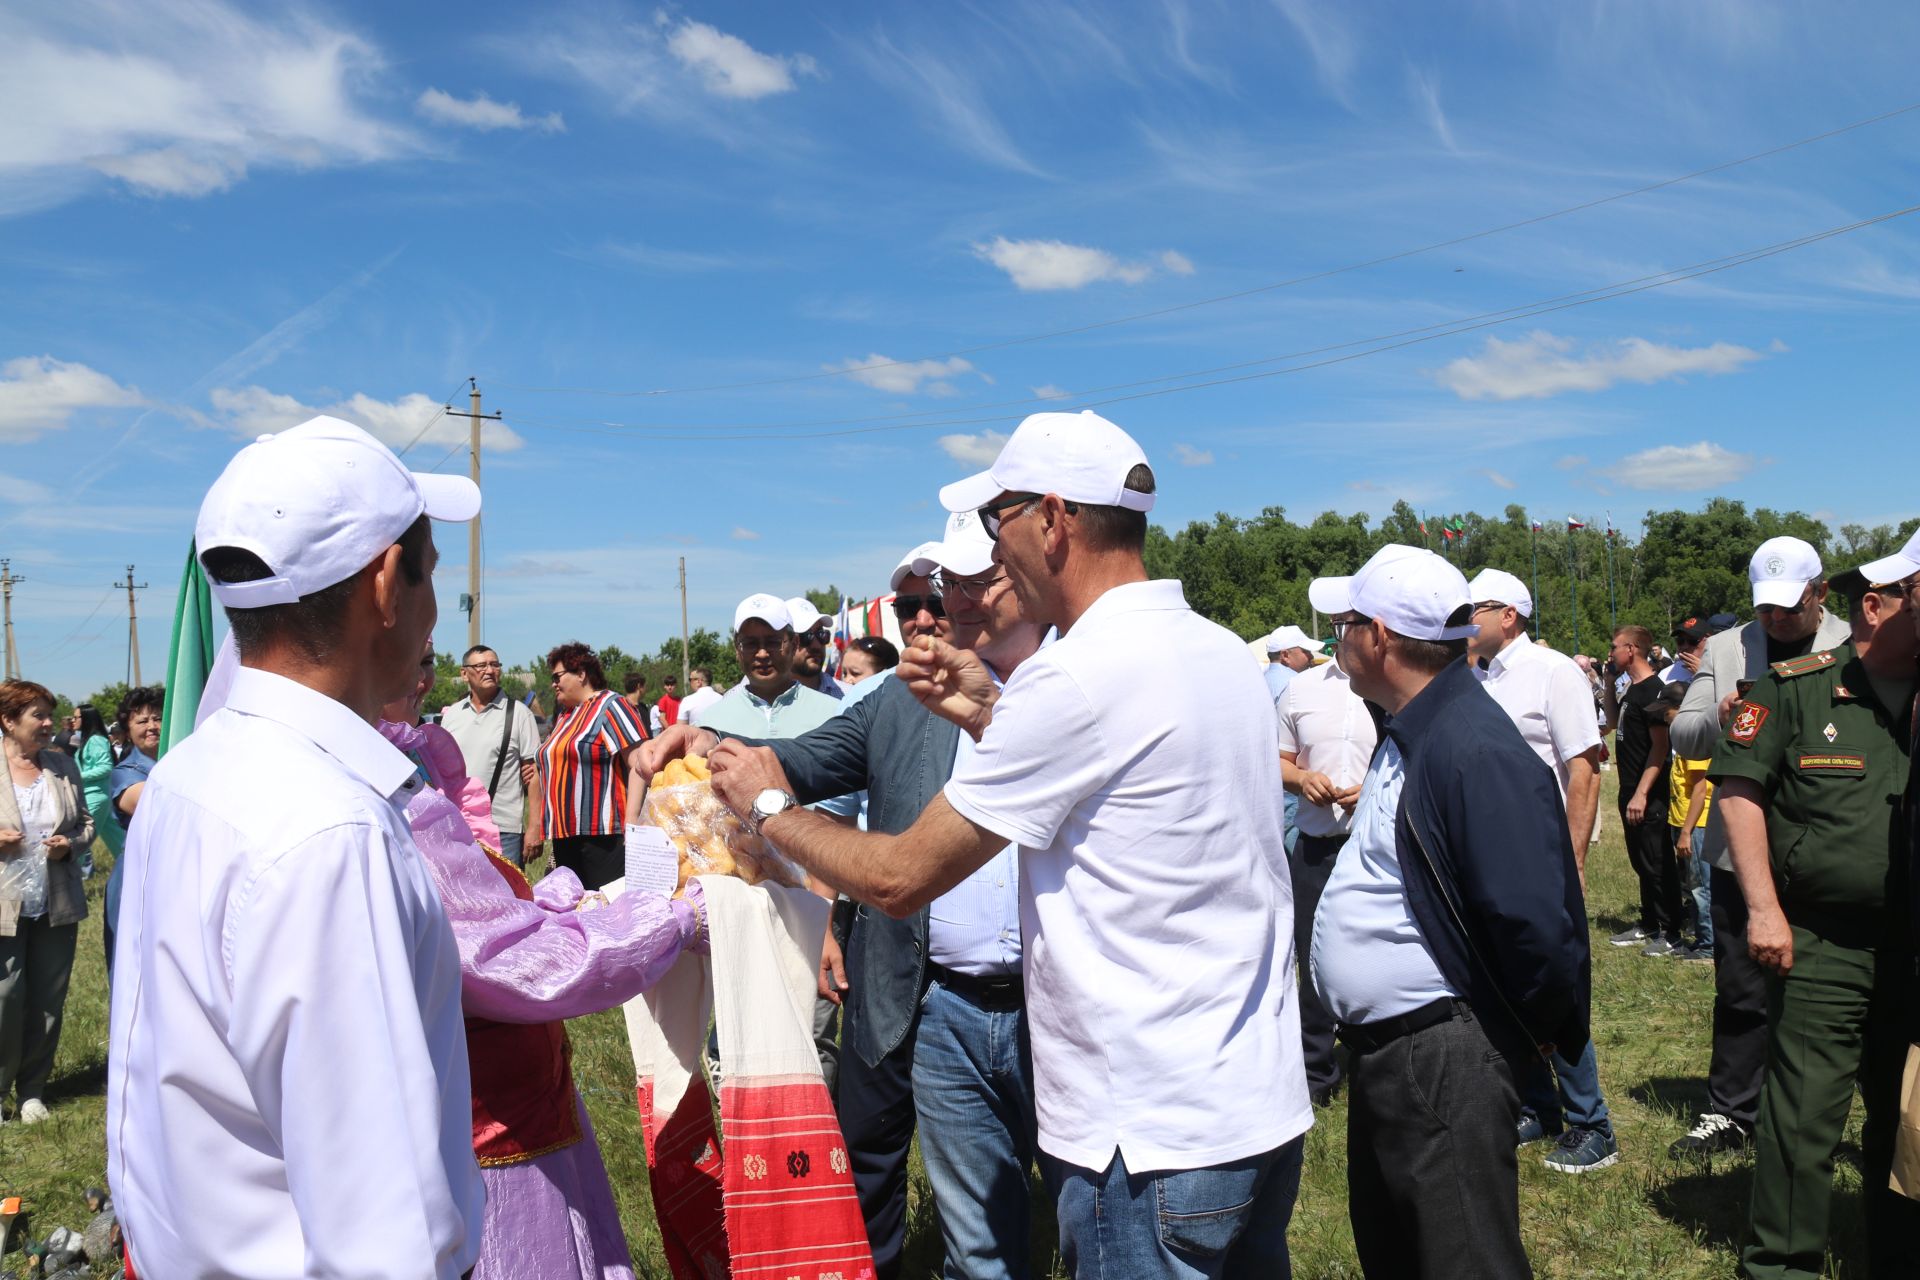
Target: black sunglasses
905, 607
991, 519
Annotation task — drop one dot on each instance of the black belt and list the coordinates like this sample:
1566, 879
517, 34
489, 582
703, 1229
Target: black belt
995, 995
1365, 1037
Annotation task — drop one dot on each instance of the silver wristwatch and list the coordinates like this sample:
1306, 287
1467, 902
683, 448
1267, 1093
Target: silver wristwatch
769, 804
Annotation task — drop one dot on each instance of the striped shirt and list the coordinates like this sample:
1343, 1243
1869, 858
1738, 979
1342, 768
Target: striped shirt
580, 767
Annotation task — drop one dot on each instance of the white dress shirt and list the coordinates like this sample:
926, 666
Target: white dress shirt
697, 701
1547, 697
1370, 960
287, 1093
974, 927
1329, 729
1155, 899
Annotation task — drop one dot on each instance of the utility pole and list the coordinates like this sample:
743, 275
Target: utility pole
7, 581
471, 601
686, 675
133, 627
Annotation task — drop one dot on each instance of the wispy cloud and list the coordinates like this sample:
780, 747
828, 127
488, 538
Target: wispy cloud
411, 419
730, 67
743, 534
40, 394
657, 258
1188, 456
295, 329
955, 102
1541, 365
483, 113
903, 378
1498, 480
1426, 95
1050, 392
978, 449
1039, 265
1682, 467
1328, 42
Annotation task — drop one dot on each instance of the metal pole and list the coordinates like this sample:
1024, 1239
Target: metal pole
1573, 584
133, 626
1536, 580
7, 581
1613, 608
473, 526
686, 675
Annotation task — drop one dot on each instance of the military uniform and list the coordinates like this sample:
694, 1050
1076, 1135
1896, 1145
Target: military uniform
1832, 764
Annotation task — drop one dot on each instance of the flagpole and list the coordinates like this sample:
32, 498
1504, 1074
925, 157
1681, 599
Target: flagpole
1573, 586
1613, 607
1536, 579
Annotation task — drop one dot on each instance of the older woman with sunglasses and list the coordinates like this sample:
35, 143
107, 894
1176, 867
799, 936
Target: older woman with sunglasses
584, 764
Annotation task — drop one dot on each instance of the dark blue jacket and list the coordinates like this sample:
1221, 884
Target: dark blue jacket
1488, 863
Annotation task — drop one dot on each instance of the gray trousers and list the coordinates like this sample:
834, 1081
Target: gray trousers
35, 964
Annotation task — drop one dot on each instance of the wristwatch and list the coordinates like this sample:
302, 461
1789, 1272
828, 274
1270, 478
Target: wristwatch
770, 803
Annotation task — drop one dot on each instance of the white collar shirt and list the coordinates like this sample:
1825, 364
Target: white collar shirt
288, 1091
696, 702
1547, 697
974, 927
1155, 903
1329, 729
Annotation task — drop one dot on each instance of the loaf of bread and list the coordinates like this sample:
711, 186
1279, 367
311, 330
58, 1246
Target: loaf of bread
711, 840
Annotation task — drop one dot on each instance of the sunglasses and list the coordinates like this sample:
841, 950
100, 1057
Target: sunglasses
974, 591
905, 607
1788, 609
1343, 625
822, 634
991, 519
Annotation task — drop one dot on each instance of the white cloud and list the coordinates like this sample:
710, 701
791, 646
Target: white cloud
1499, 481
743, 534
1572, 462
1192, 457
1541, 365
961, 111
252, 411
732, 68
1683, 467
26, 493
482, 112
1050, 392
1327, 40
977, 450
1036, 265
40, 393
182, 100
1427, 95
903, 377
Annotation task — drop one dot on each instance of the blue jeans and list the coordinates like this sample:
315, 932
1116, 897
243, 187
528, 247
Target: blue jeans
1227, 1222
510, 847
973, 1098
1700, 881
1291, 808
1576, 1101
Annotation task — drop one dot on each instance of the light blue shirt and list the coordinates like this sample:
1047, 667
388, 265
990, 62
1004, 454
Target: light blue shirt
1369, 958
974, 927
1278, 675
740, 710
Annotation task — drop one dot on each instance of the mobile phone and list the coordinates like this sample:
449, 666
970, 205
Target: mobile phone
1743, 687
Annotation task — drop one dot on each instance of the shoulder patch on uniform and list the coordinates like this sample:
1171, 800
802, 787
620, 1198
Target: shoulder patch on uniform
1746, 725
1833, 762
1800, 666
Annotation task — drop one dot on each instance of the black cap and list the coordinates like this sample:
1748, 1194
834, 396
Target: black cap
1851, 585
1695, 628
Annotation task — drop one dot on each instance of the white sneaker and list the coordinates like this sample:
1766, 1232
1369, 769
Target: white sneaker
33, 1111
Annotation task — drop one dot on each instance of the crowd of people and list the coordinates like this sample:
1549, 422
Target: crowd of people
1128, 936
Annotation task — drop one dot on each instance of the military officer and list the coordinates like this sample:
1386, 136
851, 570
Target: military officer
1810, 776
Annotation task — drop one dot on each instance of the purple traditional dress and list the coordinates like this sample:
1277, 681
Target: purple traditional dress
531, 956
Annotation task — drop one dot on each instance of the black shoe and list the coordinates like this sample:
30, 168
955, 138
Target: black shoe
1710, 1135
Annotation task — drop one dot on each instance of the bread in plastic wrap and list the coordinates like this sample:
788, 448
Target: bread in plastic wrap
710, 839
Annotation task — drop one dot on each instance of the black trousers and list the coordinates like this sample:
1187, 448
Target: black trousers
1433, 1178
876, 1119
1650, 850
1310, 863
597, 860
1739, 1062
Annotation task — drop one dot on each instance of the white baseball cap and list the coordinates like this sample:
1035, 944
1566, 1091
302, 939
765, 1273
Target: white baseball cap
965, 551
923, 552
1080, 456
1291, 637
770, 609
1413, 591
318, 503
1780, 571
1896, 566
1503, 588
802, 614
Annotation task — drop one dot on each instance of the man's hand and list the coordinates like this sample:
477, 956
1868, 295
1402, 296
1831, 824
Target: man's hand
1637, 808
10, 840
678, 741
58, 847
741, 773
1349, 798
529, 774
833, 969
1770, 941
952, 683
1317, 788
1729, 707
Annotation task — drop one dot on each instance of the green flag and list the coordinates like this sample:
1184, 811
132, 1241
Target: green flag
190, 656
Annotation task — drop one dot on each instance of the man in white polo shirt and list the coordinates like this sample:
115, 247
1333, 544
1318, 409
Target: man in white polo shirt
288, 1091
1548, 699
1155, 905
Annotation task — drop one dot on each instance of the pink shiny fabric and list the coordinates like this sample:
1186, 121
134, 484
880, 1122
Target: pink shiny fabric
447, 770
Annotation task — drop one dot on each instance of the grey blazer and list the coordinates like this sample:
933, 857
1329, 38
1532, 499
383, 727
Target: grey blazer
66, 894
902, 755
1731, 656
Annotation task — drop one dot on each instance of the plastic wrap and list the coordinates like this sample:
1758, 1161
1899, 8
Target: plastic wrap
710, 839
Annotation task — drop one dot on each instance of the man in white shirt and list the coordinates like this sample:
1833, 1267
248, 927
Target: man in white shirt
1549, 700
700, 695
499, 742
1155, 905
1327, 735
288, 1094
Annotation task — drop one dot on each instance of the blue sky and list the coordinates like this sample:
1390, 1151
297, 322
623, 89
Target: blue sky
217, 219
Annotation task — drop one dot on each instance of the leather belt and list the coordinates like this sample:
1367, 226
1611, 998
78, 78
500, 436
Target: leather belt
995, 995
1365, 1037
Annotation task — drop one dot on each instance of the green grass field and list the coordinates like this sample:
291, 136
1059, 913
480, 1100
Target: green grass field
1646, 1216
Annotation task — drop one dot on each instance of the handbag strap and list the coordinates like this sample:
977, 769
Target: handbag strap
506, 737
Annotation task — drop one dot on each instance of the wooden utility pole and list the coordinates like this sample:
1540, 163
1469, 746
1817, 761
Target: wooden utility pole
471, 601
133, 627
7, 581
686, 675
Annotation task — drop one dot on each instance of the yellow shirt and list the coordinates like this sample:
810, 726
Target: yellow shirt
1682, 777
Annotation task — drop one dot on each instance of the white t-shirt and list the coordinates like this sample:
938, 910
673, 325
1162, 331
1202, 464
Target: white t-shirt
1154, 894
1547, 697
1328, 728
705, 696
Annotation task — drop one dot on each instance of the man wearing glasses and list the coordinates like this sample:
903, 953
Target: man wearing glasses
1791, 620
1809, 782
500, 744
812, 633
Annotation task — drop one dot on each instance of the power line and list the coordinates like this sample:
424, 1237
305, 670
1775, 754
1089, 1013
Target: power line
446, 403
1372, 346
1243, 293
